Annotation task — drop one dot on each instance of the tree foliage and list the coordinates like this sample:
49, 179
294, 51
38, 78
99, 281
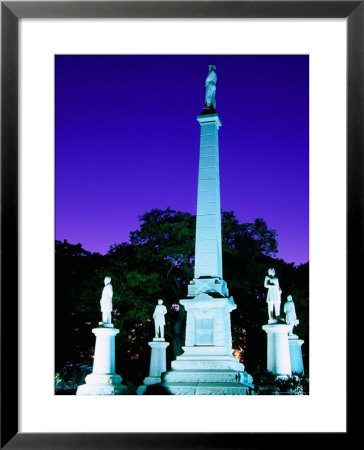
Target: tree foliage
266, 383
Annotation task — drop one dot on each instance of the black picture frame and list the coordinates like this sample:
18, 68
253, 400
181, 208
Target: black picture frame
11, 12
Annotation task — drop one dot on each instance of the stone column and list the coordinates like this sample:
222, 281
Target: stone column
295, 350
103, 380
158, 364
104, 361
158, 358
278, 356
208, 260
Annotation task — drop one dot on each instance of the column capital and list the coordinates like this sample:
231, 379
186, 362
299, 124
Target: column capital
158, 344
210, 118
105, 331
276, 328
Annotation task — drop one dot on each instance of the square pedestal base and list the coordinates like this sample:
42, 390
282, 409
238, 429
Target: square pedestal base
199, 389
102, 389
102, 384
207, 389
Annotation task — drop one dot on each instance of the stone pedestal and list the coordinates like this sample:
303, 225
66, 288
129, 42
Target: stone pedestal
103, 380
278, 355
158, 364
207, 366
295, 350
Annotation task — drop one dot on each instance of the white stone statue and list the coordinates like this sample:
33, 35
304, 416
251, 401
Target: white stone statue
106, 301
210, 84
159, 320
290, 311
274, 294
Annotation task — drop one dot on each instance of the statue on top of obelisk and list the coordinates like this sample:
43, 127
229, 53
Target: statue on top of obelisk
210, 84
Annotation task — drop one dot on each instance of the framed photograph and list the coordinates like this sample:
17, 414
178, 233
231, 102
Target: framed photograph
56, 45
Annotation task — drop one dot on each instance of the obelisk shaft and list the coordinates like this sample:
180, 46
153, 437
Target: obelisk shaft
208, 259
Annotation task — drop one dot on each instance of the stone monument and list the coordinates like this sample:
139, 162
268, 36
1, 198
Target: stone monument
159, 321
273, 295
106, 302
158, 358
290, 311
207, 365
295, 344
278, 355
210, 93
103, 380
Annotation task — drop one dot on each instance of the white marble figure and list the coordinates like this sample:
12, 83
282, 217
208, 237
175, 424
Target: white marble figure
290, 311
159, 320
210, 84
274, 294
106, 301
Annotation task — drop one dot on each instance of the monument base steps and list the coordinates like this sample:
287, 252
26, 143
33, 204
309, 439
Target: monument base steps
203, 382
198, 389
203, 376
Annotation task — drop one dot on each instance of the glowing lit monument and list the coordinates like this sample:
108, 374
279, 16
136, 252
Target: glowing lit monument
158, 357
207, 365
294, 342
103, 380
278, 353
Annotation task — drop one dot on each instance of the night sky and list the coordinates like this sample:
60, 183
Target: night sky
127, 141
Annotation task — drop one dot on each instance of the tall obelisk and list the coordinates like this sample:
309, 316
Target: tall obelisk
208, 253
207, 365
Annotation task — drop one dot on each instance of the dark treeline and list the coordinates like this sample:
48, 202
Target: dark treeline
158, 263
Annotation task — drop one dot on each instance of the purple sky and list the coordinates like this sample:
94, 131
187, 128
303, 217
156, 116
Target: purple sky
127, 141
